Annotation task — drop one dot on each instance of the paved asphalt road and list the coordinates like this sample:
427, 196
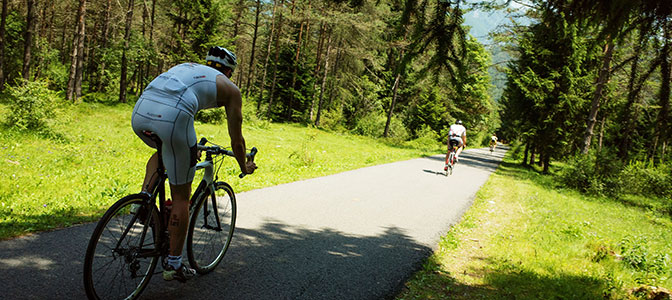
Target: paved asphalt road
354, 235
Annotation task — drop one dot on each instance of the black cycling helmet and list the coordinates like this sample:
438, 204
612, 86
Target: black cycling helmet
220, 57
459, 122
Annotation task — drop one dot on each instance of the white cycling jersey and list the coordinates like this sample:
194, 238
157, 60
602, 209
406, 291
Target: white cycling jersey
457, 130
167, 107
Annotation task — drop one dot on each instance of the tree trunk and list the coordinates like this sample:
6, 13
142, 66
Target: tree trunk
295, 71
268, 55
324, 81
318, 62
28, 37
250, 70
124, 61
239, 14
527, 151
104, 34
546, 161
660, 134
75, 55
386, 133
80, 58
603, 78
599, 144
44, 25
3, 22
275, 65
64, 56
627, 117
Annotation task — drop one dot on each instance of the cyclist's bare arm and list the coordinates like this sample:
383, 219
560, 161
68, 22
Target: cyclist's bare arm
232, 101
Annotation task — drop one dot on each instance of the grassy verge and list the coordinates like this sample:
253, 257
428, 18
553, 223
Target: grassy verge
526, 239
94, 158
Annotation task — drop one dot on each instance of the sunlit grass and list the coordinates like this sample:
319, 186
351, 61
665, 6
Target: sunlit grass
526, 239
92, 158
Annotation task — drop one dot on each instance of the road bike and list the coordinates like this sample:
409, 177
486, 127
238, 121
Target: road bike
492, 146
132, 237
450, 157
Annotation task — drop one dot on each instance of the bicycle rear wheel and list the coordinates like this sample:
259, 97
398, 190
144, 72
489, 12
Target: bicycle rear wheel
211, 228
122, 252
451, 163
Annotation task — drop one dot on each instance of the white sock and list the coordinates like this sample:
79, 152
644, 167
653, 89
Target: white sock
175, 261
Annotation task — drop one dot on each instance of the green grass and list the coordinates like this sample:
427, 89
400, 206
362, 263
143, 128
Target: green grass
92, 158
525, 238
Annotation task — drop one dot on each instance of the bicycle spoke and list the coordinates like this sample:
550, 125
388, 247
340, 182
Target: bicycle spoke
120, 260
211, 229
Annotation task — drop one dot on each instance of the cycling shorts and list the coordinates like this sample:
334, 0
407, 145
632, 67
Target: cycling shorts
175, 127
456, 141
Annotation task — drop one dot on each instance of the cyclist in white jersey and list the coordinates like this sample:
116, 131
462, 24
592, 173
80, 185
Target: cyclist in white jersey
167, 108
457, 134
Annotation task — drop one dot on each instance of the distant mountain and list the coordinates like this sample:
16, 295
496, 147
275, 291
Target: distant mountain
482, 23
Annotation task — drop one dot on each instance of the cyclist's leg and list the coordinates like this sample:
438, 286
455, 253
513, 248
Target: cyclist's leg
139, 125
460, 147
150, 172
179, 217
447, 155
179, 158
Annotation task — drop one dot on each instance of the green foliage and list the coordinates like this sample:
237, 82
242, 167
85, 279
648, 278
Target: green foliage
332, 120
294, 89
647, 179
54, 71
373, 125
200, 23
212, 116
99, 97
637, 254
604, 174
13, 55
595, 173
427, 140
32, 106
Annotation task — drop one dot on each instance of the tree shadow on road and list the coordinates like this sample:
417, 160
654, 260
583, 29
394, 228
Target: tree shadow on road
275, 261
286, 262
483, 160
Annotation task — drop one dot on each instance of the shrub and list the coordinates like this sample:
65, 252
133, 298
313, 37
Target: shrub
595, 173
32, 106
373, 125
100, 97
647, 180
637, 254
427, 140
212, 116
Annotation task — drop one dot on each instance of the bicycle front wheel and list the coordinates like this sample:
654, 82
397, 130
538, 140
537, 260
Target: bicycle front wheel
211, 228
122, 252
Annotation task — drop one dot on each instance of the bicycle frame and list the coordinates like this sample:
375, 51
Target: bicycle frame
158, 189
206, 187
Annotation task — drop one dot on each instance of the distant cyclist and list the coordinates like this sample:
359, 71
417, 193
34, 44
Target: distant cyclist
167, 108
458, 134
493, 142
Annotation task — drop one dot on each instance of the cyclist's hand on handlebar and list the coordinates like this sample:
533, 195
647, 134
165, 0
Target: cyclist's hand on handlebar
250, 166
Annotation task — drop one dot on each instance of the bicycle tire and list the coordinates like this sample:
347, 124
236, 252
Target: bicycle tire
209, 234
451, 163
112, 272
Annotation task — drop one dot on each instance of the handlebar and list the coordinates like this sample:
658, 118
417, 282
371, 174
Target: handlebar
217, 150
